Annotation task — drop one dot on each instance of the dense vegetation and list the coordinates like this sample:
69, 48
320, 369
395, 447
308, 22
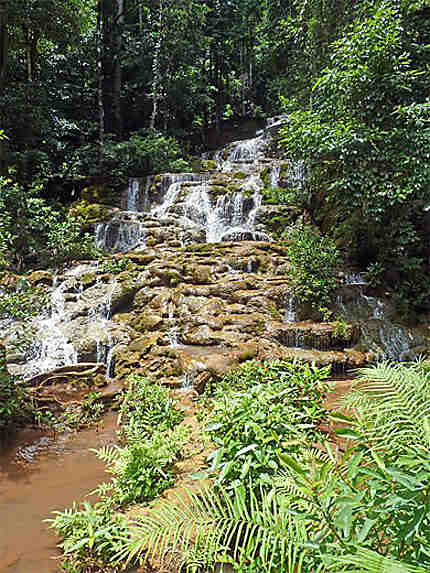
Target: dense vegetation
98, 91
287, 493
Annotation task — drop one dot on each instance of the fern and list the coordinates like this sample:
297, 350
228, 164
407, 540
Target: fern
394, 405
224, 528
368, 561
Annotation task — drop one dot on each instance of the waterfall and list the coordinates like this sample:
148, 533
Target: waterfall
241, 152
119, 236
352, 279
168, 201
275, 175
388, 339
232, 214
290, 309
50, 348
133, 194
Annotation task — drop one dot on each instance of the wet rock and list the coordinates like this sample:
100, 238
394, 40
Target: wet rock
201, 336
147, 321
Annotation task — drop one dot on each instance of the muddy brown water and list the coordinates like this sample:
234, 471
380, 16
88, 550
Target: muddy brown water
40, 473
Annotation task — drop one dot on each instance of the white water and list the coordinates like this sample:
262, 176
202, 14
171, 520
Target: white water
133, 194
389, 340
120, 236
169, 199
232, 213
50, 348
290, 309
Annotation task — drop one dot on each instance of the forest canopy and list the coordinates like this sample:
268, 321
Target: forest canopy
103, 90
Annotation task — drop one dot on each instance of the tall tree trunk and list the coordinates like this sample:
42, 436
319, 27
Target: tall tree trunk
4, 56
108, 50
118, 30
156, 75
100, 82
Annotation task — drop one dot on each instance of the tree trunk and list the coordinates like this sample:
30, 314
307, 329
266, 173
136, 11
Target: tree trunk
4, 44
100, 81
118, 125
156, 77
4, 53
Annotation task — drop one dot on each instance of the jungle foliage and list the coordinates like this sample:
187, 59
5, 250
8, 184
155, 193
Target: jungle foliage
359, 503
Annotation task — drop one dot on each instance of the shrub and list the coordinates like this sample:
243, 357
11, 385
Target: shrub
13, 408
313, 261
31, 231
259, 409
144, 153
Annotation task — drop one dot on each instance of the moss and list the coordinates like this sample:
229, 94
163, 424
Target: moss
41, 277
88, 279
208, 165
284, 171
89, 212
239, 175
274, 312
265, 176
147, 321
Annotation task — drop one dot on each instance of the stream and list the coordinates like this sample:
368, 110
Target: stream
41, 473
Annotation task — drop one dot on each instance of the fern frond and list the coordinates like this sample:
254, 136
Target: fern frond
395, 402
108, 454
240, 525
368, 561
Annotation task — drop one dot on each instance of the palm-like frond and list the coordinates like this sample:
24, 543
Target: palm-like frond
240, 526
395, 401
368, 561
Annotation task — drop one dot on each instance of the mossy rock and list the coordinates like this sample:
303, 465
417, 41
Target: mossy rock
208, 165
147, 322
41, 278
198, 274
89, 279
265, 176
89, 212
239, 175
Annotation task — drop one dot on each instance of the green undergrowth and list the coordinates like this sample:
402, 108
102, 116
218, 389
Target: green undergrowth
140, 468
288, 497
259, 409
286, 493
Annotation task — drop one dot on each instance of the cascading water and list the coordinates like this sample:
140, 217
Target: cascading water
169, 199
290, 309
232, 215
100, 330
50, 348
119, 235
133, 194
379, 333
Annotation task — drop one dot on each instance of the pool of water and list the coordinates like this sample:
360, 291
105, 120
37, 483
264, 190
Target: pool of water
41, 472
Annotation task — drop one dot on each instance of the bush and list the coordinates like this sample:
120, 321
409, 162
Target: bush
12, 405
141, 468
92, 536
142, 154
313, 261
31, 231
147, 407
259, 409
